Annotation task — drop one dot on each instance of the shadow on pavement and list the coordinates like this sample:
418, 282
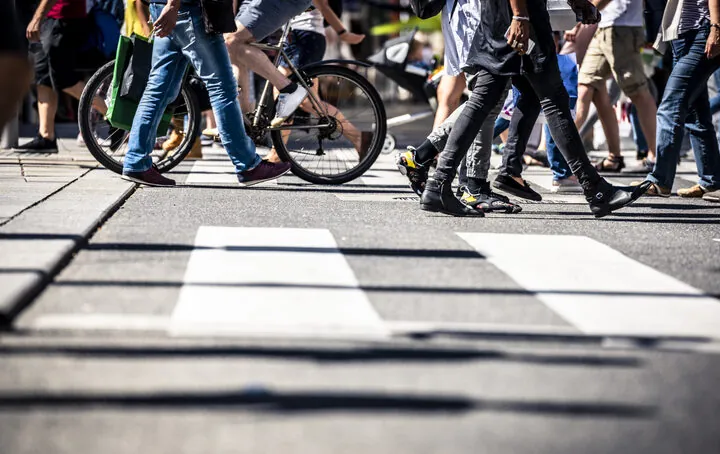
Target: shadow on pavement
382, 288
264, 400
350, 354
379, 252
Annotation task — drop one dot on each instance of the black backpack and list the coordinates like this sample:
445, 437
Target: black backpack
425, 9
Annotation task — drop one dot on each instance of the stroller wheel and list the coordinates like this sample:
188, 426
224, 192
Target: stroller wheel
389, 145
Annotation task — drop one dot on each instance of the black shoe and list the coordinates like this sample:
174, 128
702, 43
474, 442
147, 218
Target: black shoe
38, 145
488, 201
416, 173
508, 184
606, 198
438, 197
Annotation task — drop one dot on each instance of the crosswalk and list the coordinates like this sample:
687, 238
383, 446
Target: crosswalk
388, 185
297, 282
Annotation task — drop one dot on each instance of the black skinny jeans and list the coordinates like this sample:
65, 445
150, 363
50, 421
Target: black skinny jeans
543, 90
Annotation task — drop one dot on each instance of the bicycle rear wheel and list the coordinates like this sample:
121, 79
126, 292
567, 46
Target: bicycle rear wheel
109, 145
342, 139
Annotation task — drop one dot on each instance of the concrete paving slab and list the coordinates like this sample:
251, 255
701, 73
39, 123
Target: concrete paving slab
37, 242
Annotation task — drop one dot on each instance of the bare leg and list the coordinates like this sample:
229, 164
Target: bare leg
585, 97
242, 76
253, 58
448, 95
47, 108
76, 90
609, 122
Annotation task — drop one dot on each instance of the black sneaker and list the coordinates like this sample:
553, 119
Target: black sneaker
416, 173
508, 184
606, 198
150, 177
488, 201
38, 145
265, 171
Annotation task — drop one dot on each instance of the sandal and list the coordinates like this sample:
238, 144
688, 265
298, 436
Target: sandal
611, 164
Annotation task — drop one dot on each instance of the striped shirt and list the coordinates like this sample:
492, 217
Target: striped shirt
694, 13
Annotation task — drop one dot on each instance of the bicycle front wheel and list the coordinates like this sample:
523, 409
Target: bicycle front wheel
109, 145
337, 137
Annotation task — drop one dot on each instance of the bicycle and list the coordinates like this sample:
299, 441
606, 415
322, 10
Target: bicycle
314, 140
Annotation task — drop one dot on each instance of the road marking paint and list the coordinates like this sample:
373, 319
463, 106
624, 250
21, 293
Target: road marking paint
716, 239
603, 291
271, 281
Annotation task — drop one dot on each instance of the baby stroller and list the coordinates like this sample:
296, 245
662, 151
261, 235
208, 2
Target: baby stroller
392, 61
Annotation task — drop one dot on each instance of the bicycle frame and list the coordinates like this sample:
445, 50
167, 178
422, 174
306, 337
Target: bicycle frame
263, 104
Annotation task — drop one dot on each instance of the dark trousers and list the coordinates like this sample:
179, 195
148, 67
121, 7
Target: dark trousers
544, 89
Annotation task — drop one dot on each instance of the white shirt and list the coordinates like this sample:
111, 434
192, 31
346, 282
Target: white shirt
459, 31
309, 21
622, 13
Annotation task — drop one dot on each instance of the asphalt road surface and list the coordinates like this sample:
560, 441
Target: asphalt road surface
311, 319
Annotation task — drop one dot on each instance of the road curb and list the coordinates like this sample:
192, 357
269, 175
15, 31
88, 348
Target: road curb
28, 283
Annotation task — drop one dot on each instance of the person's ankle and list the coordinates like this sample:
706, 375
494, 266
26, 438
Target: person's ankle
518, 179
475, 185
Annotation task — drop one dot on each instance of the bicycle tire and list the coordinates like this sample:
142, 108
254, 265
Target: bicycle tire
375, 147
85, 109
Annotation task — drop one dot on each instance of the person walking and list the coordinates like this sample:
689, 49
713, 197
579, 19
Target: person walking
496, 57
181, 38
693, 31
58, 29
616, 50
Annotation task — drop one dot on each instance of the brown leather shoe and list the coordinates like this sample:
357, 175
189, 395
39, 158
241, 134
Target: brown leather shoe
696, 191
195, 151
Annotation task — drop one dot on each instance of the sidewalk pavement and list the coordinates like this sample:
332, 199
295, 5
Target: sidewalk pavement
50, 204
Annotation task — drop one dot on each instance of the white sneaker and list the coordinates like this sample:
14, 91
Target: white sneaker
80, 140
286, 105
566, 185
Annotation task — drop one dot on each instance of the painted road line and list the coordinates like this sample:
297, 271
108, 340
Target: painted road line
603, 292
377, 197
272, 281
215, 172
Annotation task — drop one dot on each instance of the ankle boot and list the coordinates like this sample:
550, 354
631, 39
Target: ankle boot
438, 197
606, 198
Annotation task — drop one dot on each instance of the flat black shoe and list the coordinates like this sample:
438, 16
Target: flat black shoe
508, 184
608, 198
438, 198
38, 145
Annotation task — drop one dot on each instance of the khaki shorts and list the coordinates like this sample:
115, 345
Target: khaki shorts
615, 51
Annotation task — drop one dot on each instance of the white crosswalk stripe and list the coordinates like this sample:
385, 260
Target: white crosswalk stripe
604, 291
272, 281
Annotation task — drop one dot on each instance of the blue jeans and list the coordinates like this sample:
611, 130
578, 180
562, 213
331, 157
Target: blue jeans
558, 164
638, 135
501, 125
715, 100
685, 102
208, 55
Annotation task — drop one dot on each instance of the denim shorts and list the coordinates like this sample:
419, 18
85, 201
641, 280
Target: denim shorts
263, 17
304, 47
